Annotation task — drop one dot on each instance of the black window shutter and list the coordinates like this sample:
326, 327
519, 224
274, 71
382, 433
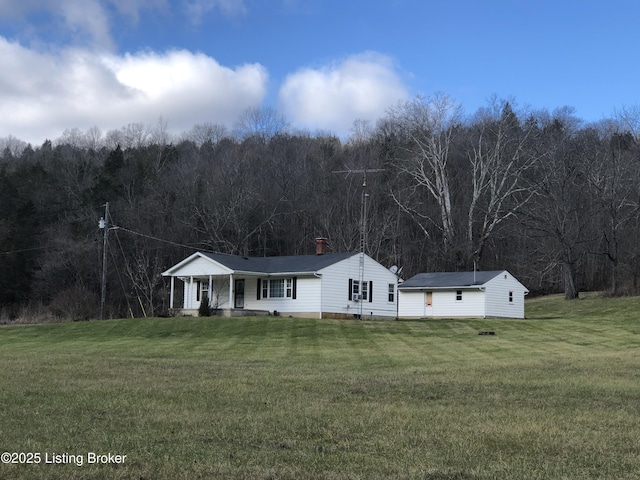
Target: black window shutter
370, 292
294, 287
259, 289
350, 289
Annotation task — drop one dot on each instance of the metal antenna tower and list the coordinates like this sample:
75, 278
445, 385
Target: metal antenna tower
363, 224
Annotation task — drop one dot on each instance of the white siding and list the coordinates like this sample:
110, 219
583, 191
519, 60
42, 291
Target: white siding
335, 288
411, 304
498, 289
446, 305
200, 266
492, 300
307, 301
219, 292
443, 303
327, 291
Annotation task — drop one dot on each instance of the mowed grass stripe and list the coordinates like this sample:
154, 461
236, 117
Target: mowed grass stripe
553, 396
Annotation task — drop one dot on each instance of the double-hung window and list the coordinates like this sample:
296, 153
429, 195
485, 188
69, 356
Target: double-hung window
277, 288
355, 290
362, 292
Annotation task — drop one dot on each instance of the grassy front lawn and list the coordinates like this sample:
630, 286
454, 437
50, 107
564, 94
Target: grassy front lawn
554, 396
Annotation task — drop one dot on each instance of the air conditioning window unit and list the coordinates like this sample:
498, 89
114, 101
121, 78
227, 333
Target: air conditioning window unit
357, 296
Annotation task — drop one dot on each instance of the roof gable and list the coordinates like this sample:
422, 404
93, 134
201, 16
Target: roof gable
195, 264
450, 279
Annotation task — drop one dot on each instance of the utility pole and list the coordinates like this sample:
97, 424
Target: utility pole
363, 225
104, 224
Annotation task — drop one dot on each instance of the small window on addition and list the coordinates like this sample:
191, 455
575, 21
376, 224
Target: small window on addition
458, 295
510, 297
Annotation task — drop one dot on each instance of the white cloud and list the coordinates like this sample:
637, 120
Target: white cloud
90, 17
86, 21
196, 9
46, 93
332, 97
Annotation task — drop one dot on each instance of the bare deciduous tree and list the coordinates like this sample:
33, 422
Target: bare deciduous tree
429, 126
500, 157
261, 122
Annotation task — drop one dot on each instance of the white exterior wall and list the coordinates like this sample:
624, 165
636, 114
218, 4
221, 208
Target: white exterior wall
307, 301
335, 288
492, 300
201, 267
443, 303
446, 305
412, 304
219, 292
498, 289
328, 291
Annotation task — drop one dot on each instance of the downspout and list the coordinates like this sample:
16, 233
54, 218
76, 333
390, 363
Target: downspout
319, 275
397, 297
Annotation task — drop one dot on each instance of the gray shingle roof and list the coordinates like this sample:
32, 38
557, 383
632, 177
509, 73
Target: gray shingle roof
282, 264
449, 279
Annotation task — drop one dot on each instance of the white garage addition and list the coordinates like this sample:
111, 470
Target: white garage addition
494, 293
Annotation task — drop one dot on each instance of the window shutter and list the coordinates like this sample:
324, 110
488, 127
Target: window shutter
370, 292
294, 287
350, 289
259, 289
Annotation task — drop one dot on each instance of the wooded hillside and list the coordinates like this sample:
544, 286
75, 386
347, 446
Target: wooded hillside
541, 194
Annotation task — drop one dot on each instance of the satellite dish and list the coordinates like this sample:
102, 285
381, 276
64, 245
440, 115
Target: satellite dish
394, 269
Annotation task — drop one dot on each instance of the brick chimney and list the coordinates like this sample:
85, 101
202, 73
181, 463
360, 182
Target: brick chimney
321, 246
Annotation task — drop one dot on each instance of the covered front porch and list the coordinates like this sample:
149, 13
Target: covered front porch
225, 294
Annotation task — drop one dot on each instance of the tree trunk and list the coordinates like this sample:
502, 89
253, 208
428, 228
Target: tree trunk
570, 290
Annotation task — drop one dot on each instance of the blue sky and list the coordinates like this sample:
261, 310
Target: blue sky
323, 64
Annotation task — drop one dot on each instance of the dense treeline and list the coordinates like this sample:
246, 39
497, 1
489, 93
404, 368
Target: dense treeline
554, 201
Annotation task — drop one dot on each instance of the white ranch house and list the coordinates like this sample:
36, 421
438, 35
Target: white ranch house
462, 294
324, 285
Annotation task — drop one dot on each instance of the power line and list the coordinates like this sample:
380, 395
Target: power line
156, 238
26, 250
114, 227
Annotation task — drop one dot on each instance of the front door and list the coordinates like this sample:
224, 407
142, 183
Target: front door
239, 293
428, 304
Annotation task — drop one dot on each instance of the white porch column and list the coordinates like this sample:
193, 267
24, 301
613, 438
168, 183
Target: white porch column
210, 295
171, 293
230, 290
190, 289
